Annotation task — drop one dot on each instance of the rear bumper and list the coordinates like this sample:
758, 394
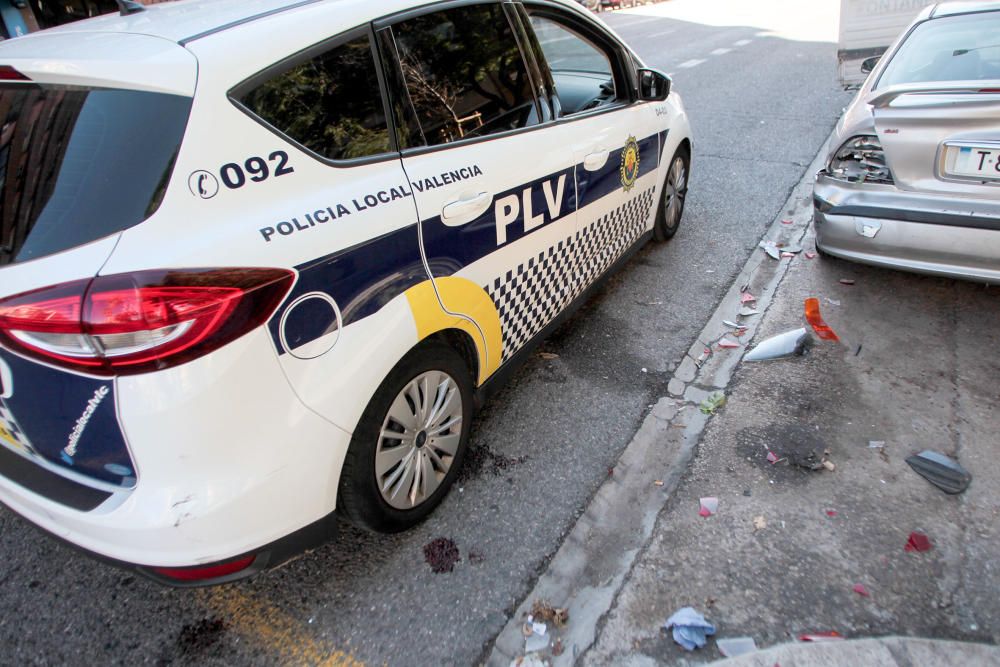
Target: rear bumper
229, 460
931, 234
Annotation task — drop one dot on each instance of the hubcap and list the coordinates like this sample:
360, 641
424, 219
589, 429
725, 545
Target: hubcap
419, 440
674, 192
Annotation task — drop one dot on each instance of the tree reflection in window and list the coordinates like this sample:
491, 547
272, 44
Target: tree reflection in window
464, 73
330, 104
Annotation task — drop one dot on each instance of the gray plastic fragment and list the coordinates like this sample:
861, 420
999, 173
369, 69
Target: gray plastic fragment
731, 647
940, 471
789, 344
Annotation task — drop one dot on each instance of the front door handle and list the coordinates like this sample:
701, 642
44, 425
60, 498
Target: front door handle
466, 209
595, 161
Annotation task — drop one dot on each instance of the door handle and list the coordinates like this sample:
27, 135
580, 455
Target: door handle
466, 209
595, 161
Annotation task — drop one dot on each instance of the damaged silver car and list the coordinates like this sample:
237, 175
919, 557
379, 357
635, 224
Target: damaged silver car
912, 180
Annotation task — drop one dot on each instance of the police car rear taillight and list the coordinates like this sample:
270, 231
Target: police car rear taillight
8, 73
139, 322
205, 574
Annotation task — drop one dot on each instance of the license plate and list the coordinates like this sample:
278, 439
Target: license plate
974, 161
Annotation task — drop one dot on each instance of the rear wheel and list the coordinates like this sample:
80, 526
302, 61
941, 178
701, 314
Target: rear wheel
410, 442
675, 185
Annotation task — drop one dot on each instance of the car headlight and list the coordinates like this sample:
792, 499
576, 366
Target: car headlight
861, 160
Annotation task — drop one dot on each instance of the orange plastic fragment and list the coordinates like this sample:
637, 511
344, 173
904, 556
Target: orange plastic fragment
816, 320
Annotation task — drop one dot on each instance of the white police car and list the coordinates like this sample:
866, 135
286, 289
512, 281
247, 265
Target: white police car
260, 259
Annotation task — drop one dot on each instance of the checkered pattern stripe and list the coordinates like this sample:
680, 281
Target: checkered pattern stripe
530, 296
10, 433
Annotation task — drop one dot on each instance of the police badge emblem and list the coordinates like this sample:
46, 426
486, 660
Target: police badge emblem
629, 170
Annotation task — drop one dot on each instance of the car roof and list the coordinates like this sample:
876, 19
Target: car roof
966, 7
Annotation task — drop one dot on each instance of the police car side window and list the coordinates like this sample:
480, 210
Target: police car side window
330, 104
464, 74
581, 70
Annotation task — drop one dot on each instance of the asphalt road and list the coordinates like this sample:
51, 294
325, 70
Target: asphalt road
761, 101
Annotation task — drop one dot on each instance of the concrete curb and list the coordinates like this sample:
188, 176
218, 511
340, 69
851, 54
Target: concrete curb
591, 565
880, 652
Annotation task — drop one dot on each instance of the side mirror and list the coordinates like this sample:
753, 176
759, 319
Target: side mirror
654, 86
868, 64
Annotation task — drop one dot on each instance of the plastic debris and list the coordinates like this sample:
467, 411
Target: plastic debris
829, 636
787, 221
657, 482
785, 254
794, 249
770, 248
704, 355
690, 628
941, 471
747, 297
831, 513
709, 506
712, 403
759, 523
734, 325
734, 646
543, 611
861, 590
876, 444
772, 458
789, 344
847, 281
810, 255
548, 355
829, 465
727, 344
832, 302
748, 312
918, 542
815, 320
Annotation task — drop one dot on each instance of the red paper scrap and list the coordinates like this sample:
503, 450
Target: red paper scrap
861, 590
918, 542
772, 458
726, 343
847, 281
830, 636
831, 513
810, 255
787, 221
747, 297
787, 254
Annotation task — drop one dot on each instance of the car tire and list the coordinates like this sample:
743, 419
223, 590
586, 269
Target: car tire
672, 196
390, 484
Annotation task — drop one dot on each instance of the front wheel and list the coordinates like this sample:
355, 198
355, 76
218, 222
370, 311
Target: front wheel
675, 185
410, 442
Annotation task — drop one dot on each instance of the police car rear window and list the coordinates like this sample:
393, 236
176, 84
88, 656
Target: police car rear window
331, 104
77, 164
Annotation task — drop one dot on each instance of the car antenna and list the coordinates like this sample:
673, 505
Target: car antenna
126, 7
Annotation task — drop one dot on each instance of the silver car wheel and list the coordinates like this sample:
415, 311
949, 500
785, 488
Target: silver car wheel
673, 193
419, 439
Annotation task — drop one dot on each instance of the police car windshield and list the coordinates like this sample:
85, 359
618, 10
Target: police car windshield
77, 164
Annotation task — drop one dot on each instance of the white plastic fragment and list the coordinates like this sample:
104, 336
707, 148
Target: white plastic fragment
730, 647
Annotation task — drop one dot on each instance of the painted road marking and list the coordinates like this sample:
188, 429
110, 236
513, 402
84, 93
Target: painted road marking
661, 33
694, 62
275, 634
742, 42
719, 52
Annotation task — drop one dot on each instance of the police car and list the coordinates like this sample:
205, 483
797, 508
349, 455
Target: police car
260, 260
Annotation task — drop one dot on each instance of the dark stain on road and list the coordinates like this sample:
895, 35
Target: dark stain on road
195, 638
441, 554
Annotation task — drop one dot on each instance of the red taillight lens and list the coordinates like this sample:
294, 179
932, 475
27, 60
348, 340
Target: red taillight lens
815, 320
8, 73
138, 322
207, 573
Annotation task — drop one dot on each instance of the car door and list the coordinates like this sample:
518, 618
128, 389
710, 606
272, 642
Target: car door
492, 181
616, 141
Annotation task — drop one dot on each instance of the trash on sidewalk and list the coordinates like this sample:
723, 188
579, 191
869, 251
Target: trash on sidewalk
747, 297
832, 302
748, 312
703, 356
829, 636
770, 248
861, 590
709, 506
847, 281
876, 444
918, 542
731, 647
941, 471
831, 513
558, 648
548, 355
734, 325
787, 221
541, 610
785, 254
657, 482
441, 554
759, 523
689, 628
727, 343
772, 458
789, 344
815, 320
712, 403
810, 255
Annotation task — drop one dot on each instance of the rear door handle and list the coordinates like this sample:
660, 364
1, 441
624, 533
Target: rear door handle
595, 161
466, 209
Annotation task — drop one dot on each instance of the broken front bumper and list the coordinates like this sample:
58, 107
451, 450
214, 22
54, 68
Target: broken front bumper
884, 226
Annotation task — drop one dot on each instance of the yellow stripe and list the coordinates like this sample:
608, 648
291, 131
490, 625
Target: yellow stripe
270, 630
463, 296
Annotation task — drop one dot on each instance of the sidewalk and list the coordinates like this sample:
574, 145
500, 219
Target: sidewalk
918, 369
